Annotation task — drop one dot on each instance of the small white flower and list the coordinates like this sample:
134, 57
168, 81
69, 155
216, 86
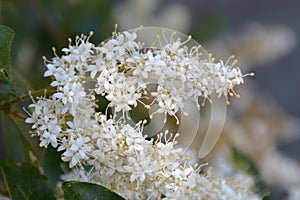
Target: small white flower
121, 69
76, 151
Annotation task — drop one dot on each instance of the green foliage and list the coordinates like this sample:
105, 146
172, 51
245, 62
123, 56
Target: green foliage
10, 81
10, 124
40, 25
20, 85
11, 138
244, 163
12, 132
87, 191
14, 135
36, 23
5, 85
6, 37
17, 141
51, 164
24, 181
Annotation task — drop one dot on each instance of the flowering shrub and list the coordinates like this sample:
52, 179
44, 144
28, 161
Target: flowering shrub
103, 144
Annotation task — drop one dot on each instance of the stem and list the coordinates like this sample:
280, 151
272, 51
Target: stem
32, 94
19, 115
7, 105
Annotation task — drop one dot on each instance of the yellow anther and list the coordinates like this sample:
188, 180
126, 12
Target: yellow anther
147, 106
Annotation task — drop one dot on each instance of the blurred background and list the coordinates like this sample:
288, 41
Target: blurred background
264, 36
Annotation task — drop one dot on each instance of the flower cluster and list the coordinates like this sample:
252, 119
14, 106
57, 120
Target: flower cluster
116, 153
124, 67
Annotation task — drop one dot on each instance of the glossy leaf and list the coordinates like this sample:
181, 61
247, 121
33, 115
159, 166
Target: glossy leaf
10, 80
11, 139
5, 85
87, 191
17, 142
51, 164
6, 37
24, 181
20, 85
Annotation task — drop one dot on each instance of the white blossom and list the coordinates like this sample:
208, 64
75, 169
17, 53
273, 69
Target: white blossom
117, 152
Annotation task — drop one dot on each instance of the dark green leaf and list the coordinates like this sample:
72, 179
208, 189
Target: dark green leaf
20, 85
11, 139
24, 181
16, 136
6, 37
87, 191
244, 163
10, 82
52, 165
5, 85
4, 81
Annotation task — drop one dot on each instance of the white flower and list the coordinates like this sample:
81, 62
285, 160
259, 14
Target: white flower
76, 150
46, 122
126, 72
76, 175
154, 64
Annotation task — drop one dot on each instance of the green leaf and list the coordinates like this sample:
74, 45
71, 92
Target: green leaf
87, 191
6, 37
11, 139
9, 82
20, 85
18, 144
5, 85
24, 181
4, 81
244, 163
52, 165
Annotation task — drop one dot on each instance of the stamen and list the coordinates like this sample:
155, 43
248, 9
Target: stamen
169, 139
164, 36
159, 41
188, 39
174, 138
249, 74
228, 60
200, 166
171, 38
177, 120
